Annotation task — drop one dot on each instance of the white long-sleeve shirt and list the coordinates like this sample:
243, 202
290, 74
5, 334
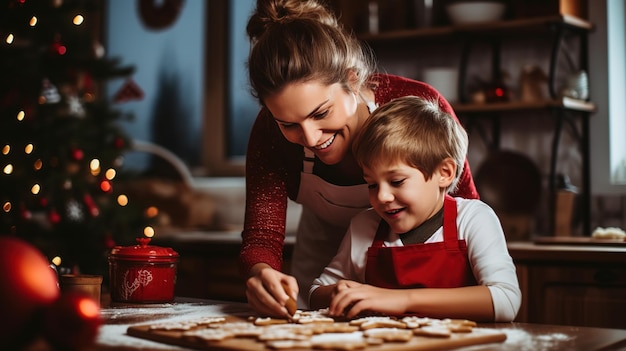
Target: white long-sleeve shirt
477, 224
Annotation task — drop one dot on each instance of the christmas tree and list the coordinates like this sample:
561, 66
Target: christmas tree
62, 147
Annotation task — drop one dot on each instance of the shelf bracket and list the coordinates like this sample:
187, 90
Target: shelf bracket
554, 57
465, 55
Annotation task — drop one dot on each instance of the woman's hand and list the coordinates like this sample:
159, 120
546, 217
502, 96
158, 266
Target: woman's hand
350, 298
265, 293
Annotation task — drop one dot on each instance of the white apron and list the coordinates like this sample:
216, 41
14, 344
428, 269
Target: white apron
326, 213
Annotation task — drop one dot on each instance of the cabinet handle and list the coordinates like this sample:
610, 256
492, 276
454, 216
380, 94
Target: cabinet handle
605, 276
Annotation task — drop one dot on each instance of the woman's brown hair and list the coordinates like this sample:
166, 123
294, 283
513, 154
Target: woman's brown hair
299, 41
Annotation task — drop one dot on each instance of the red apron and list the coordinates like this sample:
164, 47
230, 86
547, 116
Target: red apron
433, 265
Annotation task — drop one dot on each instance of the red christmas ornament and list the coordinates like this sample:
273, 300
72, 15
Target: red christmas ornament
77, 154
118, 143
85, 85
57, 46
109, 243
91, 205
129, 91
29, 284
16, 3
72, 322
497, 92
54, 217
106, 186
26, 214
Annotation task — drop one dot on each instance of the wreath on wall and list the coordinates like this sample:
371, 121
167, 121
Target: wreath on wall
161, 14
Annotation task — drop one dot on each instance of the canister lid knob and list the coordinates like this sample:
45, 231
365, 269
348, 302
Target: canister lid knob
144, 241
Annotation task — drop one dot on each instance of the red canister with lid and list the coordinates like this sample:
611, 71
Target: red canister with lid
142, 273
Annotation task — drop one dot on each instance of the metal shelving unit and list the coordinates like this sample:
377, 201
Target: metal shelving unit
564, 109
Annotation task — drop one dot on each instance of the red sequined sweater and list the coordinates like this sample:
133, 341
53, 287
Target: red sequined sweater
273, 167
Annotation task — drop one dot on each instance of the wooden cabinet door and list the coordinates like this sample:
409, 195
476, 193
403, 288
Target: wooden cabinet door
580, 295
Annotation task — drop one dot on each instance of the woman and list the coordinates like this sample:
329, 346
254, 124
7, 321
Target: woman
317, 86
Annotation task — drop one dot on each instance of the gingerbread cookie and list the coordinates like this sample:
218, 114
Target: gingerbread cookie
269, 321
430, 331
413, 322
290, 305
238, 329
463, 322
210, 320
289, 344
282, 334
339, 341
209, 334
174, 326
389, 334
365, 323
340, 327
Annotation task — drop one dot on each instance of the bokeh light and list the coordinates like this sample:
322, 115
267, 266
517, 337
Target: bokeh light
122, 200
148, 231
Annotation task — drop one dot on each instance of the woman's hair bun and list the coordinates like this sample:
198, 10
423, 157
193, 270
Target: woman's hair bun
276, 12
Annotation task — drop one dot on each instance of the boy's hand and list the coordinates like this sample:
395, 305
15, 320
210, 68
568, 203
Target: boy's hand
350, 298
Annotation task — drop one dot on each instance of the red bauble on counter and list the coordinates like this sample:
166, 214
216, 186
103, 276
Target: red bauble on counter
29, 285
72, 322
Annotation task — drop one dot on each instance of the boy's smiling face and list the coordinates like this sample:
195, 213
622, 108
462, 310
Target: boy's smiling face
402, 196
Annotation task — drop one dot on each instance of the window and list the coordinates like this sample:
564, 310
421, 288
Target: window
169, 64
230, 108
197, 103
608, 86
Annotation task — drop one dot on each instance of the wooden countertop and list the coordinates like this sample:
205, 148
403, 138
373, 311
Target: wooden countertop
537, 244
520, 336
571, 250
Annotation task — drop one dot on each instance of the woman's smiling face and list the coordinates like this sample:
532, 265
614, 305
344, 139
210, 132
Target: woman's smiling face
322, 118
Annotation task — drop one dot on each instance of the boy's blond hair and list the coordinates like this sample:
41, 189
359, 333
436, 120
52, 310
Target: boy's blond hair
415, 131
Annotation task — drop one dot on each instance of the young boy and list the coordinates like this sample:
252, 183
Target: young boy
418, 250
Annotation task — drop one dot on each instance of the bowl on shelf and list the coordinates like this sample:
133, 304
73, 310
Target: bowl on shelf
470, 12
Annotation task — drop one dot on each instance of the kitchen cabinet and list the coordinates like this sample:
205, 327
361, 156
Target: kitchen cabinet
557, 31
579, 285
208, 265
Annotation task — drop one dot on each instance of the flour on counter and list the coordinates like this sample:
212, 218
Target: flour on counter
113, 333
520, 340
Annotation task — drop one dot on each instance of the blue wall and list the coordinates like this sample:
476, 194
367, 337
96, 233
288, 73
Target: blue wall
242, 107
169, 68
